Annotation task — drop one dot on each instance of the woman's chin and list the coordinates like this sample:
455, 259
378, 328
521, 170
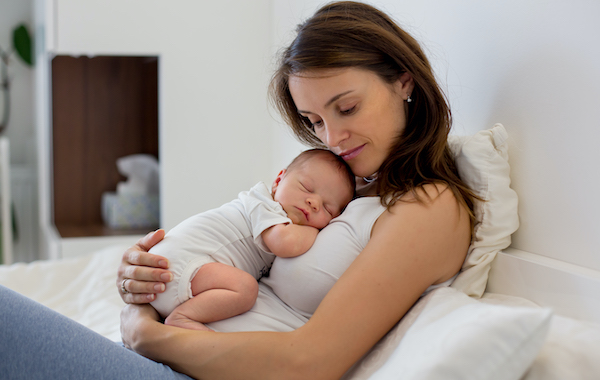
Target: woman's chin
364, 173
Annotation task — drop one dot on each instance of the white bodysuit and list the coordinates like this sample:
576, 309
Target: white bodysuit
229, 234
296, 286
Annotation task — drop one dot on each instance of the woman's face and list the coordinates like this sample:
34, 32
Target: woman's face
354, 112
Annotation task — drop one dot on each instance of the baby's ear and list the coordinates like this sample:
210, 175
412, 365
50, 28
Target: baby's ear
277, 180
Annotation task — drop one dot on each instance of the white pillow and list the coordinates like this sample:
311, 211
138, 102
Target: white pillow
448, 335
482, 162
570, 352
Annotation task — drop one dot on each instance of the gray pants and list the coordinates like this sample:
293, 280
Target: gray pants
38, 343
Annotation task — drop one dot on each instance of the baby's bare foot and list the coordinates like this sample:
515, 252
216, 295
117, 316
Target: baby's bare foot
185, 323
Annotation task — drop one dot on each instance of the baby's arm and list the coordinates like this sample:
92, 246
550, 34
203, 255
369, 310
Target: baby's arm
289, 240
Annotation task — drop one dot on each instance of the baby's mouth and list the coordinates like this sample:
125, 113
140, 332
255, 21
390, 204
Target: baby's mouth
303, 212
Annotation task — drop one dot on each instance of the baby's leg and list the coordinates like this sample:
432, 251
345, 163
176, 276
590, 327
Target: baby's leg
220, 291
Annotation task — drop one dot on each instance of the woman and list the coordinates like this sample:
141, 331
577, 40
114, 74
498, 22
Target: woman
353, 82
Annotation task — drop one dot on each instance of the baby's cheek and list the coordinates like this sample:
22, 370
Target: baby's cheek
323, 223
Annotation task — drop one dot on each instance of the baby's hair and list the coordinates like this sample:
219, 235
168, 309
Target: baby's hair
333, 158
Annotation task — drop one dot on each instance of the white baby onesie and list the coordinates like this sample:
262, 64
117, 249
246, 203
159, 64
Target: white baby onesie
229, 234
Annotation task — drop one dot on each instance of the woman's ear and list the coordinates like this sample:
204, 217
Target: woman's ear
277, 180
405, 85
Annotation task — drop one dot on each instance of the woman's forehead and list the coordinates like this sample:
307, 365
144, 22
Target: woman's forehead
321, 90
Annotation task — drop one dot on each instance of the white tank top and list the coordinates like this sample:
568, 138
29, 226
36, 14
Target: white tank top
296, 286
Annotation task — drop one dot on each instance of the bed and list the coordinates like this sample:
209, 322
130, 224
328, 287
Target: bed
508, 315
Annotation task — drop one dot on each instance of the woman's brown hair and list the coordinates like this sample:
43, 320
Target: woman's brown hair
351, 34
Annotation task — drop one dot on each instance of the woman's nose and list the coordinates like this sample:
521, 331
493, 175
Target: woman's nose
334, 134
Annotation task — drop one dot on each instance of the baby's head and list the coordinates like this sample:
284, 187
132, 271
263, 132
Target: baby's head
315, 188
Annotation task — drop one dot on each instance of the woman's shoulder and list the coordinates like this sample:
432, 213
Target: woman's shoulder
426, 204
429, 222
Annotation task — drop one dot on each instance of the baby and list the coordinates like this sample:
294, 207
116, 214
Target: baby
217, 256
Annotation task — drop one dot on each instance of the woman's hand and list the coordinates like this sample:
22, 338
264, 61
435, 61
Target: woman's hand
135, 319
141, 274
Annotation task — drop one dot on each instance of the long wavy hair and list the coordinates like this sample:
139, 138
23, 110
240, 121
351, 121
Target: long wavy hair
349, 34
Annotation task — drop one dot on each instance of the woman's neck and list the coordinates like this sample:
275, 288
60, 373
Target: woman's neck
366, 188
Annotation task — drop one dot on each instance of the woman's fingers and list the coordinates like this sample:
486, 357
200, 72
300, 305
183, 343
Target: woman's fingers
141, 274
129, 285
151, 239
140, 298
138, 292
144, 273
138, 254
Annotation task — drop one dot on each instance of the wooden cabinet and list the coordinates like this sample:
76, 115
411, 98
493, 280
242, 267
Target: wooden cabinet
103, 108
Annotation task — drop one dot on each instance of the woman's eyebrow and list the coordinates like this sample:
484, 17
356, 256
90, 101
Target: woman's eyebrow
336, 97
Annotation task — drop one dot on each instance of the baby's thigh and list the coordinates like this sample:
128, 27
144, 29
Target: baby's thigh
222, 276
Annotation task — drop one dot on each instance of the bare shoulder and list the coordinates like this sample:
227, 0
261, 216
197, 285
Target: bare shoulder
435, 229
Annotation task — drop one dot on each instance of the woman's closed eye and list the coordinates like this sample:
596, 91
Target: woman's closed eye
316, 124
348, 111
313, 123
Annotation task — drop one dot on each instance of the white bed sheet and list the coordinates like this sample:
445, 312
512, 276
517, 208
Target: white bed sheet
83, 288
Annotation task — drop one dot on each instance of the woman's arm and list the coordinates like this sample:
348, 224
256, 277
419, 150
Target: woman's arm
289, 240
413, 246
146, 273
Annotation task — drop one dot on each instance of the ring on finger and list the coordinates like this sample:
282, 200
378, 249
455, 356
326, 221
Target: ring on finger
123, 289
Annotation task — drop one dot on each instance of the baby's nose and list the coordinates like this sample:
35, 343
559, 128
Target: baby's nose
313, 203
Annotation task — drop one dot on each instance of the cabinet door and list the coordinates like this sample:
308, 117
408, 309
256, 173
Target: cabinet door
103, 108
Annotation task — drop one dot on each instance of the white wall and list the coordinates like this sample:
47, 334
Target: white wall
534, 66
215, 131
286, 15
22, 116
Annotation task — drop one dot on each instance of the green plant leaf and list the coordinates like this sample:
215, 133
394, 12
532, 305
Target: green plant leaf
22, 44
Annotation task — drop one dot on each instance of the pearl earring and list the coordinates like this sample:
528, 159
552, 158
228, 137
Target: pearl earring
408, 99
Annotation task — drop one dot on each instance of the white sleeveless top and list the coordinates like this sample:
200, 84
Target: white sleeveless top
296, 286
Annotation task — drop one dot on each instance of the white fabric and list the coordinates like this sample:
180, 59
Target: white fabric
227, 234
82, 288
303, 281
296, 286
571, 350
448, 335
482, 162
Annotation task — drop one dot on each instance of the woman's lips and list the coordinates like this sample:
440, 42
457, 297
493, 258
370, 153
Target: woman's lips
351, 153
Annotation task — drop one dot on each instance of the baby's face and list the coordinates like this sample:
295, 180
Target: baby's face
313, 193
